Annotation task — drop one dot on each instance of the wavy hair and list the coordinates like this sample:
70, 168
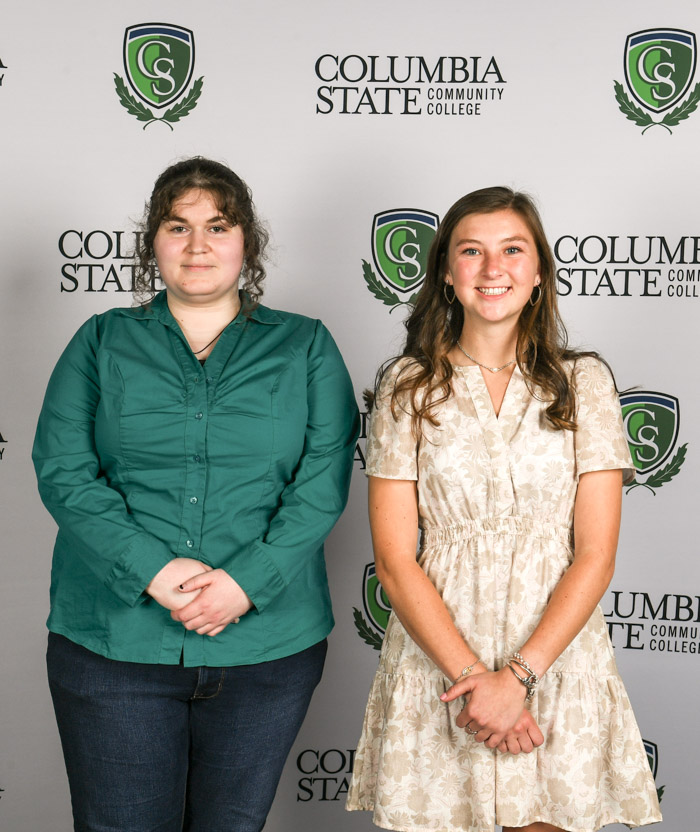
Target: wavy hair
434, 326
233, 199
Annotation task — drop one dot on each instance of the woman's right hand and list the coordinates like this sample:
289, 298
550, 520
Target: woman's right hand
164, 587
494, 704
523, 737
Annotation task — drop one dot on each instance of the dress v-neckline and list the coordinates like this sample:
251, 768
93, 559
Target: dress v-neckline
475, 370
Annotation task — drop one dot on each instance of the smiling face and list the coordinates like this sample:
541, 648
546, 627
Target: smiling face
199, 253
492, 263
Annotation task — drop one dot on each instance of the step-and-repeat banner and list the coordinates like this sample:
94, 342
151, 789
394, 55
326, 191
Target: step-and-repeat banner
356, 126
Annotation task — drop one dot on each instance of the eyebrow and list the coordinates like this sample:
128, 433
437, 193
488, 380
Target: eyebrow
516, 239
217, 218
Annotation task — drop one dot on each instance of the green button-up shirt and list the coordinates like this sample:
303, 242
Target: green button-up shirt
143, 455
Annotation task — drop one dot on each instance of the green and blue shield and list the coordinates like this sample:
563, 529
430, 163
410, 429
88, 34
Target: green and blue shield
660, 66
400, 243
652, 751
158, 61
375, 601
651, 424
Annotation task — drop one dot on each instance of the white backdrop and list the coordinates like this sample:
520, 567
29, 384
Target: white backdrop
538, 112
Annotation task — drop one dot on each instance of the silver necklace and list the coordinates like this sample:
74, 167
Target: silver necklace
490, 369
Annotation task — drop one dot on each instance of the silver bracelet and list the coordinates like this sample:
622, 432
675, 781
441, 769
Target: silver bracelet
530, 681
467, 670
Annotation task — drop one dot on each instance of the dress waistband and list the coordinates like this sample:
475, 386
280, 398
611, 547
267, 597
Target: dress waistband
530, 526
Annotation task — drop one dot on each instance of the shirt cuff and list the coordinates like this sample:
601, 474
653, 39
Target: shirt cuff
257, 575
135, 569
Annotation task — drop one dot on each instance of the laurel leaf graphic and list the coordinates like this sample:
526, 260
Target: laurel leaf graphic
668, 472
630, 110
683, 110
134, 107
377, 288
660, 792
188, 103
368, 635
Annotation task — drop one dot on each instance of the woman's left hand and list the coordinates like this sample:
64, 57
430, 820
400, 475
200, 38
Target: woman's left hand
494, 704
220, 602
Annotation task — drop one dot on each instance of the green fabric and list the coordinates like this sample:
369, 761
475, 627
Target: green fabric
143, 455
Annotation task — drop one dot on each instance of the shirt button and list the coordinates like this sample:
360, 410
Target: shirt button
197, 458
190, 544
193, 500
198, 415
210, 380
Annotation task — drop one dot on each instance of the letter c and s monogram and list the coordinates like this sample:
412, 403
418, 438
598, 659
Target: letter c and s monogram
403, 257
156, 70
656, 77
644, 435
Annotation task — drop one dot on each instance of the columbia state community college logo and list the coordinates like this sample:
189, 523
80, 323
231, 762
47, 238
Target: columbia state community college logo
652, 421
400, 242
659, 69
158, 63
377, 608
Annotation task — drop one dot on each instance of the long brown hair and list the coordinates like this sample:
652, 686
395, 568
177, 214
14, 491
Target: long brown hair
434, 326
233, 199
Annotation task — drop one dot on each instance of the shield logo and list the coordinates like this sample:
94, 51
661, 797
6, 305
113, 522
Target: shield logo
651, 423
400, 242
660, 66
376, 603
652, 755
158, 61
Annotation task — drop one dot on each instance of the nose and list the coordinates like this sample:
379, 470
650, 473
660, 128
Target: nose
492, 264
198, 241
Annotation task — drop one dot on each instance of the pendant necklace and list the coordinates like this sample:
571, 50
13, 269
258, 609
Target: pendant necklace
490, 369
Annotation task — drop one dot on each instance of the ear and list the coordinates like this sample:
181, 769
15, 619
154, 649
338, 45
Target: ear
537, 279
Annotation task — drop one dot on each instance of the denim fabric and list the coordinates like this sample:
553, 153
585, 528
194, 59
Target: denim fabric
168, 748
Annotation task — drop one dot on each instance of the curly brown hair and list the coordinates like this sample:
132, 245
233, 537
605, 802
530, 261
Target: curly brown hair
434, 326
233, 199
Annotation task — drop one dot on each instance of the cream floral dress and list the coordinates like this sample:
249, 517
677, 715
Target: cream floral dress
496, 503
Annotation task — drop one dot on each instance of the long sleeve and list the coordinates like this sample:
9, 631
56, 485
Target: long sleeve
311, 503
92, 516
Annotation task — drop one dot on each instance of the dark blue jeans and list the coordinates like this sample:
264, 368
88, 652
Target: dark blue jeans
166, 748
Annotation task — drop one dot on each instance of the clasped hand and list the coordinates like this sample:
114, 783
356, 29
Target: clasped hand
495, 707
201, 598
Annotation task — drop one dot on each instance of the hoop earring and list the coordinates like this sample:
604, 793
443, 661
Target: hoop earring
444, 292
539, 295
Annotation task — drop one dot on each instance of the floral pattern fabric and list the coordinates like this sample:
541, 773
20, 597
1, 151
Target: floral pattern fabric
496, 500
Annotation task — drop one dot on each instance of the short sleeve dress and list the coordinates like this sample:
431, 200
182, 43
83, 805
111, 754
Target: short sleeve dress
496, 502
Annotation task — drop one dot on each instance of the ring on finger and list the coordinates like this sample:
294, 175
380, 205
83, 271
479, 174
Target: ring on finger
469, 730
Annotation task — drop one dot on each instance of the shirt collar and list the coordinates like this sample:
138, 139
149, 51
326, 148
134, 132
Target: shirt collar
158, 309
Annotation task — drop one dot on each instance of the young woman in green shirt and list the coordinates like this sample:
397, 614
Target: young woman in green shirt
195, 451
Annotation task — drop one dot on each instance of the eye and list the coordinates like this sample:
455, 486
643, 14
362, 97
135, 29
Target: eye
470, 251
221, 227
177, 229
513, 250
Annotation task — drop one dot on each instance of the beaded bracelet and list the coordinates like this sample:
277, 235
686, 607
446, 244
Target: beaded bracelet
530, 681
467, 670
